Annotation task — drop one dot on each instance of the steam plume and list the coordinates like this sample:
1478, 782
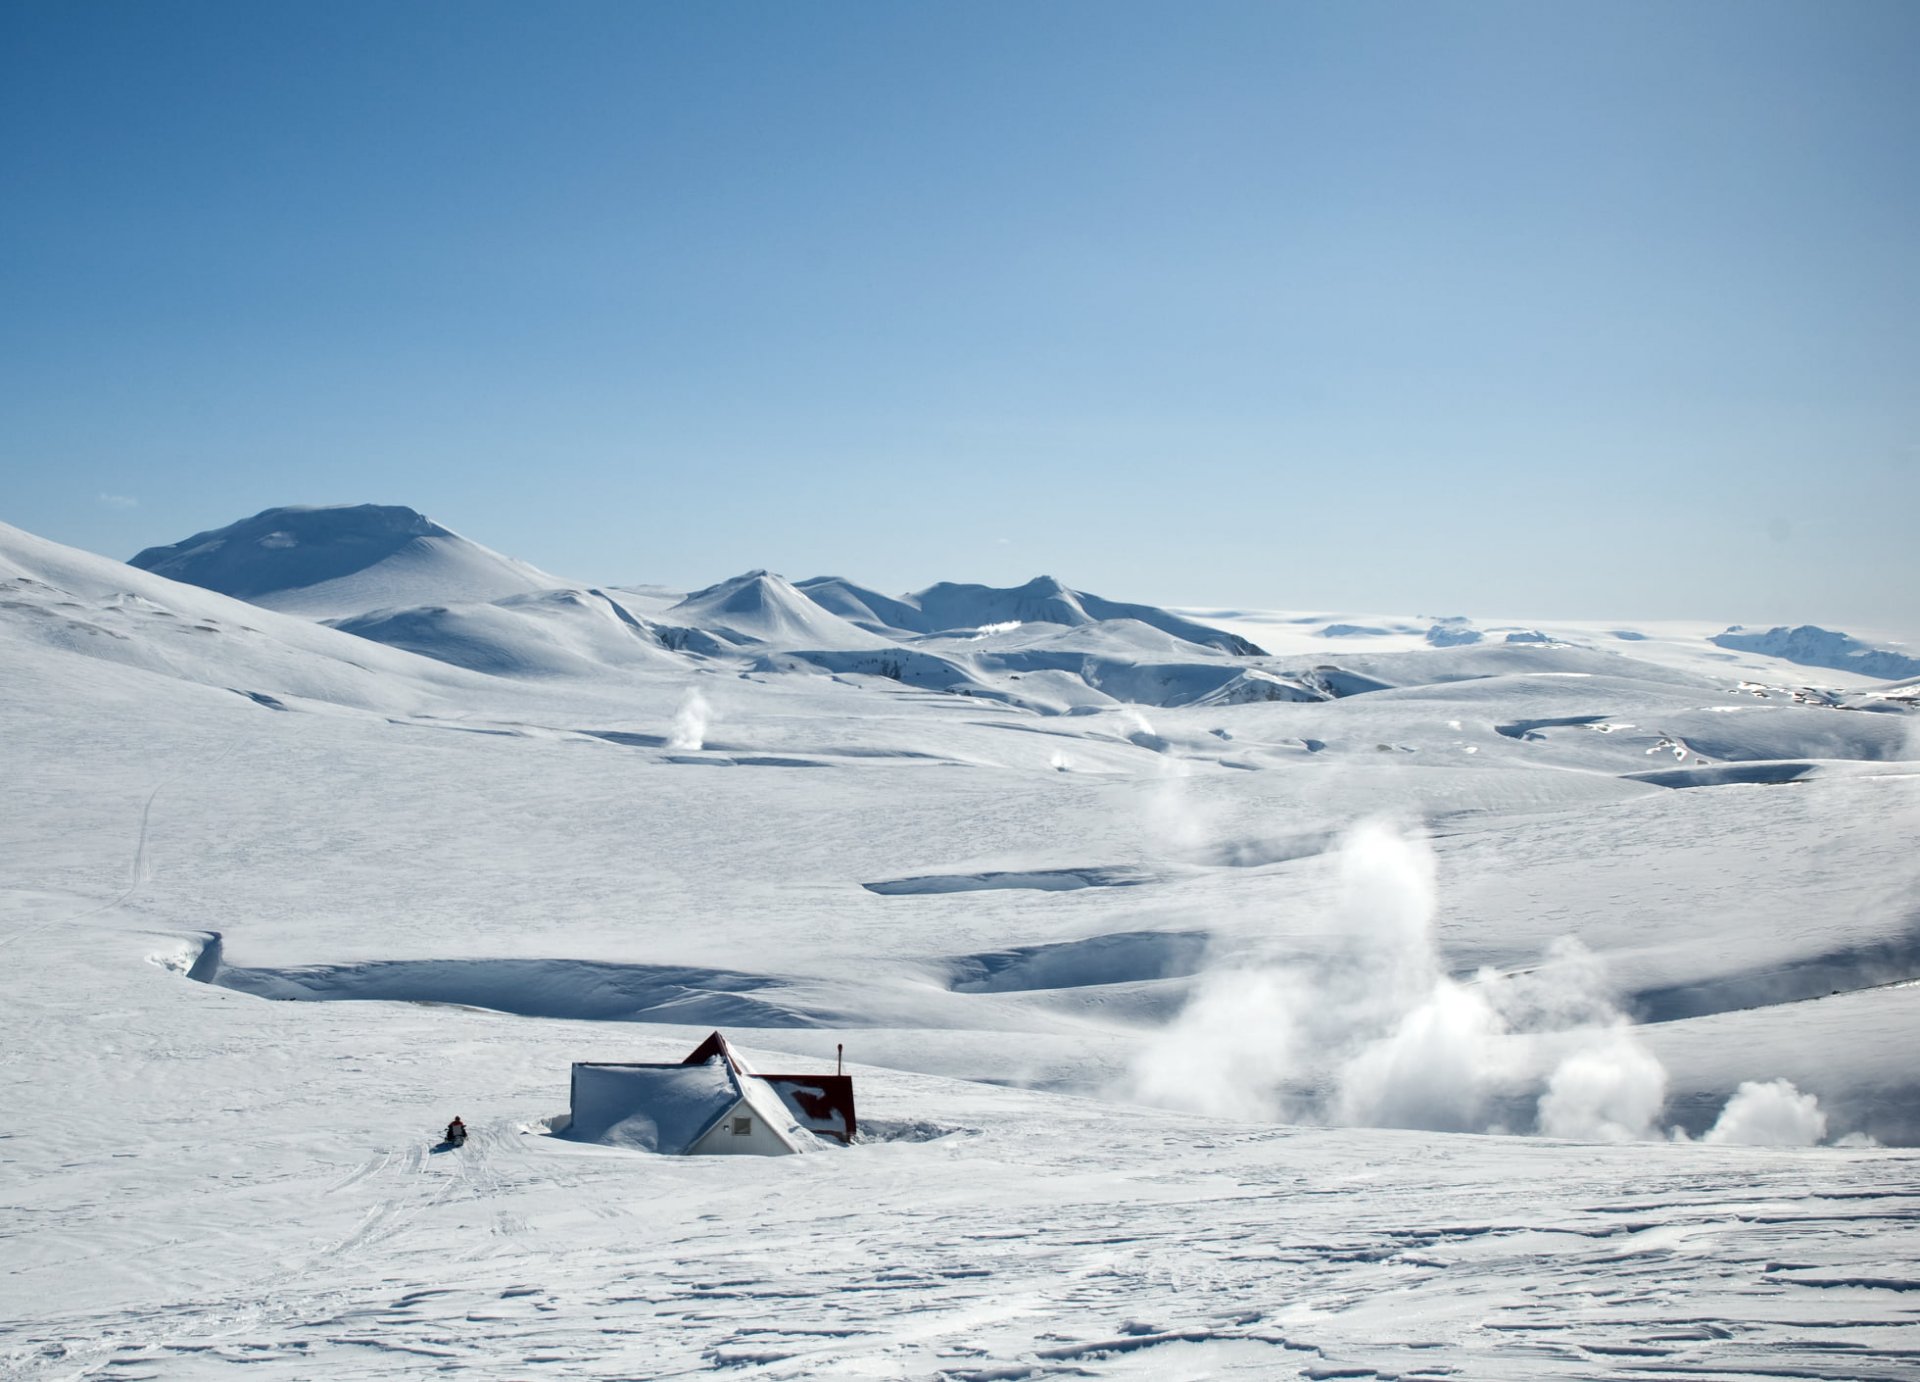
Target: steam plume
1373, 1032
690, 723
1774, 1114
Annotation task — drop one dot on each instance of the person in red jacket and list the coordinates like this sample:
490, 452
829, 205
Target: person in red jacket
456, 1131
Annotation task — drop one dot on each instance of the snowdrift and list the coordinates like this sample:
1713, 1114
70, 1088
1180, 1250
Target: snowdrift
1119, 981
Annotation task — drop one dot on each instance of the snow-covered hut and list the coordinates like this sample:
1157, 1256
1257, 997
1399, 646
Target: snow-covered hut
710, 1104
822, 1104
708, 1109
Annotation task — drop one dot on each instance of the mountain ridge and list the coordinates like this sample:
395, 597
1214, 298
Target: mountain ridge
340, 560
1812, 646
949, 606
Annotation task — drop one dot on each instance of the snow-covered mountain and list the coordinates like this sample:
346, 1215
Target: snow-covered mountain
392, 576
1810, 646
951, 608
343, 560
550, 633
75, 605
1164, 1017
760, 607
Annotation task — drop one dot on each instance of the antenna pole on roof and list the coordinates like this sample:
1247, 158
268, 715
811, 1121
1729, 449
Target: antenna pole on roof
839, 1057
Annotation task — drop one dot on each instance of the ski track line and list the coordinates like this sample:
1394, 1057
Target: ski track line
141, 871
220, 1326
713, 1312
378, 1162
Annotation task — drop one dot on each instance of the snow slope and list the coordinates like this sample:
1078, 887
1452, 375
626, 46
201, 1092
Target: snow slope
949, 607
342, 560
579, 633
391, 576
1816, 647
64, 602
1196, 1040
761, 607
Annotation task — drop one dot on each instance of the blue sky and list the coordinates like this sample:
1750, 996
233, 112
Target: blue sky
1498, 309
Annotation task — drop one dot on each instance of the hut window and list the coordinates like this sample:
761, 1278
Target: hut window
742, 1127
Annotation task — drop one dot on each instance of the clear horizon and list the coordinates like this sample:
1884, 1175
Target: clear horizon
1491, 309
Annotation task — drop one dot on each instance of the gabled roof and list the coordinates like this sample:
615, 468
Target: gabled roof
759, 1097
717, 1045
822, 1104
654, 1108
669, 1108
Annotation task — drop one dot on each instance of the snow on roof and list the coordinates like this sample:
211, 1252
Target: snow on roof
773, 1111
651, 1108
820, 1104
718, 1045
669, 1108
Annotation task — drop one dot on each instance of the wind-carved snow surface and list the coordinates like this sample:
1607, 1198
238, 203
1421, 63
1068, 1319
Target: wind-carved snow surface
1092, 908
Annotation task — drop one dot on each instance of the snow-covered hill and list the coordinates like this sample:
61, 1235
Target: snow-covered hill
1817, 647
1373, 1008
74, 604
760, 607
392, 576
951, 608
576, 633
342, 560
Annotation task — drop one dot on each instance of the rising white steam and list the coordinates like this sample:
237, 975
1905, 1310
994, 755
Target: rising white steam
1230, 1051
1435, 1070
1178, 826
690, 723
1413, 1048
1774, 1114
1612, 1091
1371, 1031
1139, 730
1424, 1050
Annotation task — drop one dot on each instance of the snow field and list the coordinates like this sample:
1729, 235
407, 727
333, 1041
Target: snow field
1452, 904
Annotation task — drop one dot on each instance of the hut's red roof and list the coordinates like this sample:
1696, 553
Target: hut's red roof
821, 1104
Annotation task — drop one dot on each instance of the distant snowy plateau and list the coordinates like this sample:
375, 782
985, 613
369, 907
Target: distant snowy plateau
1228, 993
